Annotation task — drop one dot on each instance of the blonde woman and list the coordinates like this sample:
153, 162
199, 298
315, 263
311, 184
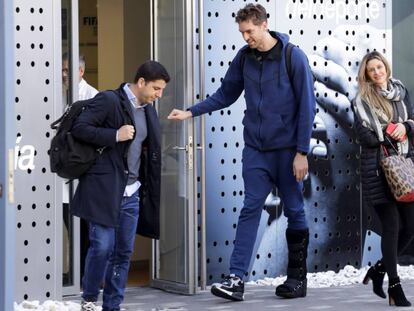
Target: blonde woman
383, 102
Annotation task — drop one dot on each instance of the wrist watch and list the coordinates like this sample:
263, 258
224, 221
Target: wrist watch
303, 153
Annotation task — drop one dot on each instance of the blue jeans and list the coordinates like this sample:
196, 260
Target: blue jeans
108, 256
262, 170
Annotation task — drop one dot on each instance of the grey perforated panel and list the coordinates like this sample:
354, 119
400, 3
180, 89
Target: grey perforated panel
37, 238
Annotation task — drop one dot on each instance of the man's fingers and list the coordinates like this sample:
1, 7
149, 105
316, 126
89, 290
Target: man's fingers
177, 114
174, 114
300, 174
130, 130
126, 132
300, 167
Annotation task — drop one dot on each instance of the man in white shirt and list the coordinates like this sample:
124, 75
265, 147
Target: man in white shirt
86, 91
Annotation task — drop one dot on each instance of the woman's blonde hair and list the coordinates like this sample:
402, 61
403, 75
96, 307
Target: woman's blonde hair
368, 89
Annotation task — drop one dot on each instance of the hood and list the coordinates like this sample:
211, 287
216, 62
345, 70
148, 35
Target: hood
275, 53
280, 36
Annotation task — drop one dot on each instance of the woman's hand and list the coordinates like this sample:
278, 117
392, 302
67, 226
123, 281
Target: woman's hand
399, 133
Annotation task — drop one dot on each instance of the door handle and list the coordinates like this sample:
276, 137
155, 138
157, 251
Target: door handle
181, 148
189, 150
185, 148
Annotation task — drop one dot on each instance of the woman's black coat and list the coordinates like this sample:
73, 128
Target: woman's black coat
374, 185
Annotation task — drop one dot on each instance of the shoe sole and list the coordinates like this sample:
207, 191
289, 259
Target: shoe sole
290, 295
226, 295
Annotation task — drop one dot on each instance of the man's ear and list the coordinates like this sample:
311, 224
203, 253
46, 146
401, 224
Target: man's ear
265, 25
141, 82
81, 72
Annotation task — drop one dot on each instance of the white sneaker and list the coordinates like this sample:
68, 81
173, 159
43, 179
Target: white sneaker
232, 287
88, 306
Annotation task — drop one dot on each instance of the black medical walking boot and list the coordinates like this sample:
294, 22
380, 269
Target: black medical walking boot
232, 288
296, 282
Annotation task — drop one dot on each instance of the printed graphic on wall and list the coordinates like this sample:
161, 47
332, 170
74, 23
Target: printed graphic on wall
335, 35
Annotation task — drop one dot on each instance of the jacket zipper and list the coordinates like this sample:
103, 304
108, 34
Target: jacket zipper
260, 103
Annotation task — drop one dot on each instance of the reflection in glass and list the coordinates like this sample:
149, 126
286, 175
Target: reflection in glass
67, 247
170, 52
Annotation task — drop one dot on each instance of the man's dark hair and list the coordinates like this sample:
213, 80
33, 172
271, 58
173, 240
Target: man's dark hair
152, 71
252, 12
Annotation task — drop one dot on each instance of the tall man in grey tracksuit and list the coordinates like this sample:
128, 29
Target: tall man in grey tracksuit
277, 130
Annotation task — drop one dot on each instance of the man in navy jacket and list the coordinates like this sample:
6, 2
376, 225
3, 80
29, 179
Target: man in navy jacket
277, 130
122, 189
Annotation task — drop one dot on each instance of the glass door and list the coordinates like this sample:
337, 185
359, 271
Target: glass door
175, 253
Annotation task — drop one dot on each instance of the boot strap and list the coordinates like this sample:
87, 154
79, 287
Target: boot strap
297, 256
296, 273
294, 284
296, 247
394, 285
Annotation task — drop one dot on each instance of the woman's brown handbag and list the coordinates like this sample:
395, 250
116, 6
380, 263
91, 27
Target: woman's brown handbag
399, 172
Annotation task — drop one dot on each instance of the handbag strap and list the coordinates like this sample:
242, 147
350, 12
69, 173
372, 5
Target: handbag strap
392, 145
384, 151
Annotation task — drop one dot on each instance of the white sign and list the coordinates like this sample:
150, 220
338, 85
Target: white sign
23, 156
338, 10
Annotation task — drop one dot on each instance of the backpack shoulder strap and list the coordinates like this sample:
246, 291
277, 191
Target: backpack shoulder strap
54, 125
243, 58
71, 112
288, 59
116, 97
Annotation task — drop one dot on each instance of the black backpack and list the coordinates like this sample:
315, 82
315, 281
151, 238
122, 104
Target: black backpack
69, 157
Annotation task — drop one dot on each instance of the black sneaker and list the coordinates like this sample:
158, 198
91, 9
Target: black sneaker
232, 288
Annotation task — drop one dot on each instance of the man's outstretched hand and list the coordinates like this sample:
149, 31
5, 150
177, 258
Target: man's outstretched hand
177, 114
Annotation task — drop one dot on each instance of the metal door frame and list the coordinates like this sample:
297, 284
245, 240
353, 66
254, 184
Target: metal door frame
74, 69
7, 132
